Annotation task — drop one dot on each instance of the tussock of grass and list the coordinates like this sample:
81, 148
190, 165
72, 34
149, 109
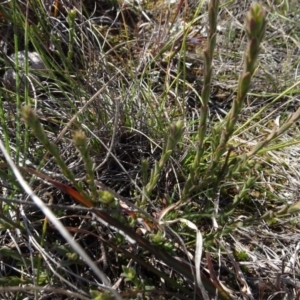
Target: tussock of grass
174, 127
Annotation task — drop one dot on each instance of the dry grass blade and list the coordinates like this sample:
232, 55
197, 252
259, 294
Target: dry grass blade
56, 291
215, 279
276, 133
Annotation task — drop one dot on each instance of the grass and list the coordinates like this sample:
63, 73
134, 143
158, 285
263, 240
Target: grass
156, 154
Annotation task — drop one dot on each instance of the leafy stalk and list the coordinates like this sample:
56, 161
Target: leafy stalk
175, 134
205, 93
80, 142
255, 28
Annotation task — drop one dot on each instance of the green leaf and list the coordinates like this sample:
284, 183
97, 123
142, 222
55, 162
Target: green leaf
128, 273
7, 252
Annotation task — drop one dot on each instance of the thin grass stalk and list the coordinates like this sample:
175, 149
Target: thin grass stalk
18, 98
26, 91
42, 242
4, 124
182, 65
6, 141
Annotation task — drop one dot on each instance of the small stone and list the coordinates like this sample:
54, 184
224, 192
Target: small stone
36, 69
